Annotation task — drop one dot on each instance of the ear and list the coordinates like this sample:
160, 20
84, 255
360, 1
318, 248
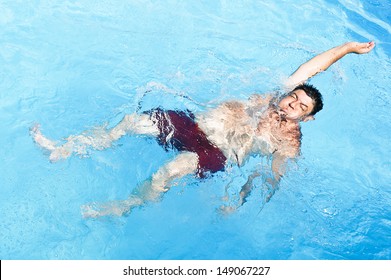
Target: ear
308, 118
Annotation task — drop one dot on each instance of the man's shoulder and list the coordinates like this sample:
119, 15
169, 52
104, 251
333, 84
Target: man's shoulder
291, 134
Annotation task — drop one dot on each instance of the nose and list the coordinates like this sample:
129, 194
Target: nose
292, 104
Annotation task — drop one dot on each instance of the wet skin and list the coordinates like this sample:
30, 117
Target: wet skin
296, 106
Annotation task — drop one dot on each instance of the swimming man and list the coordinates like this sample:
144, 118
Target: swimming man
206, 142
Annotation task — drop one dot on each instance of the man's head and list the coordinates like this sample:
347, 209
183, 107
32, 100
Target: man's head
302, 103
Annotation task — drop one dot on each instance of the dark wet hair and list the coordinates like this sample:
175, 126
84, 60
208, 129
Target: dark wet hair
314, 94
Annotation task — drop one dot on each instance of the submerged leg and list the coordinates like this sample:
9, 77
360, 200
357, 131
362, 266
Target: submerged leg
184, 164
98, 138
56, 152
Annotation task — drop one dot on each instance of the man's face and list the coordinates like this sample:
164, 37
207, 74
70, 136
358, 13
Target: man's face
296, 106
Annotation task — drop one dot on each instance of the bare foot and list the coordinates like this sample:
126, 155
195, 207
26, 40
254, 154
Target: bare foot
112, 208
41, 140
56, 152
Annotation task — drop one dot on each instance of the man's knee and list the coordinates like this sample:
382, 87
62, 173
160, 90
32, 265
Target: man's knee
143, 124
185, 163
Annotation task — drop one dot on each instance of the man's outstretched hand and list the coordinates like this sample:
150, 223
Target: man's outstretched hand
361, 48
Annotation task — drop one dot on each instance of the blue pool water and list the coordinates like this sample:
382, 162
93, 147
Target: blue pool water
72, 65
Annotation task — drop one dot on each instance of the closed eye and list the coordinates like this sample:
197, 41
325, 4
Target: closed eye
303, 107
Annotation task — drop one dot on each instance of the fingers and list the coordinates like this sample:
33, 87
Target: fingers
370, 45
361, 48
227, 210
365, 47
36, 128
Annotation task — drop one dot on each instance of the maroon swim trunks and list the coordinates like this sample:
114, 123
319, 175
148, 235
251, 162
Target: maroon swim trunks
179, 130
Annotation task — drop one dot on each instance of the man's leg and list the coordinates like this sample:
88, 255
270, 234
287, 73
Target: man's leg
98, 138
184, 164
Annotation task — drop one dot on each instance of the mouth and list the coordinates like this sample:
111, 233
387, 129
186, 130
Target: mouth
282, 111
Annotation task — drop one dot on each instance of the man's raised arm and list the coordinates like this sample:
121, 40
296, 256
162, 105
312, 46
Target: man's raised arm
324, 60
